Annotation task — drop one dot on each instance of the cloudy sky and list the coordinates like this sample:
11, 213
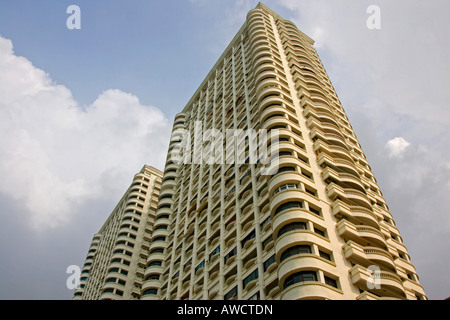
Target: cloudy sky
81, 111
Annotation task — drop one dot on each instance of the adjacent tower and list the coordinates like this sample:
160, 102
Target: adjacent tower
114, 266
318, 227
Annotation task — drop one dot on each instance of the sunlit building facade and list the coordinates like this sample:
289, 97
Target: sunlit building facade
116, 260
318, 227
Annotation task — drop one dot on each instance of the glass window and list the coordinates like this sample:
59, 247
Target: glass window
232, 293
269, 262
300, 277
288, 205
252, 276
301, 249
291, 227
331, 282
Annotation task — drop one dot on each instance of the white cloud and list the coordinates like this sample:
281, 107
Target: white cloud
54, 156
397, 147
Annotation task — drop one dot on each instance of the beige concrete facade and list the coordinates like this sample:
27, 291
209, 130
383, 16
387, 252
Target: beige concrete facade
315, 227
114, 266
318, 228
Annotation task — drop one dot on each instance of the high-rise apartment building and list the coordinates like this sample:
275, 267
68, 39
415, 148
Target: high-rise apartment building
116, 260
317, 227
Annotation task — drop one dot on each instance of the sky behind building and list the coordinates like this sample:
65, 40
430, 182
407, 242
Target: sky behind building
82, 110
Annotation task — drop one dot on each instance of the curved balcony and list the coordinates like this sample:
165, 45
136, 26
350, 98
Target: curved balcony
156, 257
152, 296
319, 99
332, 150
302, 262
108, 296
283, 178
276, 121
383, 283
270, 100
153, 270
294, 215
168, 184
258, 57
180, 116
311, 290
262, 47
298, 237
254, 20
345, 165
362, 234
354, 213
133, 207
269, 91
271, 110
348, 179
335, 191
284, 197
266, 73
367, 256
266, 83
258, 42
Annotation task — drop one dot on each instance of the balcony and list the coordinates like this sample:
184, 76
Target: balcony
368, 255
310, 290
332, 150
356, 197
362, 234
387, 284
345, 165
356, 214
343, 177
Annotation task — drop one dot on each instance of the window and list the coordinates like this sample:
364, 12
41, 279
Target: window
230, 254
288, 205
152, 277
266, 241
257, 297
291, 227
319, 232
264, 223
314, 210
325, 255
200, 266
284, 169
155, 263
300, 249
252, 276
285, 187
188, 263
331, 282
269, 262
249, 237
311, 192
232, 293
214, 252
300, 277
150, 291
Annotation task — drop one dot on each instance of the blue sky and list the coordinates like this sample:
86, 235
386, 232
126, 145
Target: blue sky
81, 111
